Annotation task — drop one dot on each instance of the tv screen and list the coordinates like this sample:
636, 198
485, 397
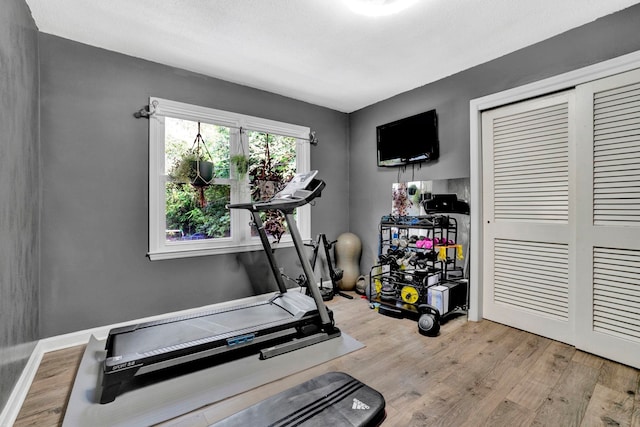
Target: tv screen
410, 140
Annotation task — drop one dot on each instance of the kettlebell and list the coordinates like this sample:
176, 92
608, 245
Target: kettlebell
429, 321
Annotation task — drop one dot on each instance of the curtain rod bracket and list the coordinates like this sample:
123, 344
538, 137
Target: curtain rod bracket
146, 112
313, 139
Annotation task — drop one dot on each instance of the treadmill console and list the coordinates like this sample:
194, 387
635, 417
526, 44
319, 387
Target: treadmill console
302, 189
297, 187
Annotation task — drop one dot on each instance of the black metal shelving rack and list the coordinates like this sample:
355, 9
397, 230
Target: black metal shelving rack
400, 281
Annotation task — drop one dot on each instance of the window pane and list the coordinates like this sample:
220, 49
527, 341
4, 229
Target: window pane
272, 165
180, 143
194, 205
272, 158
188, 219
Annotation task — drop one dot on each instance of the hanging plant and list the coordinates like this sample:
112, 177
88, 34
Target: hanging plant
401, 200
241, 164
194, 168
266, 180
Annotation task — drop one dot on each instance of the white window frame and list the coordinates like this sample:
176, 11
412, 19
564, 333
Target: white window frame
241, 239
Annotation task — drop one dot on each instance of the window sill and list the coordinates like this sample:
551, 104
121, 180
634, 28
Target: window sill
175, 253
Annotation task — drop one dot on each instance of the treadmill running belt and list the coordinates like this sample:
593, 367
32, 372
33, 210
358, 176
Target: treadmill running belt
149, 339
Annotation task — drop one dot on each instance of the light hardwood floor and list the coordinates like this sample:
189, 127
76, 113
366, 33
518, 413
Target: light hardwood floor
472, 374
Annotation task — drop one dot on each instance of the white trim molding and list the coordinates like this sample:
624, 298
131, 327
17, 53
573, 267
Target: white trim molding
19, 393
477, 106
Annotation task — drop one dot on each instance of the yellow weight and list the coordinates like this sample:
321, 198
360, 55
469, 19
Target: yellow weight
378, 286
442, 251
409, 294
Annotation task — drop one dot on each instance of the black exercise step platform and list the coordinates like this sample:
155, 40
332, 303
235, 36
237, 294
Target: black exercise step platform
331, 399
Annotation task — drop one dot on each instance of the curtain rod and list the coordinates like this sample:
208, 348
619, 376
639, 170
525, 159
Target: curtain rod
313, 140
150, 110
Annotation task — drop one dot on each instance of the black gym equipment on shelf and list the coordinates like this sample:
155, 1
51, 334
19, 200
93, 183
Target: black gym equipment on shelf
283, 323
409, 274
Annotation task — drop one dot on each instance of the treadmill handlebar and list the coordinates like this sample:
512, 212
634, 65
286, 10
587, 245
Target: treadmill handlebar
285, 203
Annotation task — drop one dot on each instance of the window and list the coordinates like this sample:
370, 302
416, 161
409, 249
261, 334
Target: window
188, 196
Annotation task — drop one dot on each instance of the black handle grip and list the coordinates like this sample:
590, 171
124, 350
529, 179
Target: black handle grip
429, 309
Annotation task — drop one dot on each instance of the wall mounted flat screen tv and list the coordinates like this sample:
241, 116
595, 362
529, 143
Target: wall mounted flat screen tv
410, 140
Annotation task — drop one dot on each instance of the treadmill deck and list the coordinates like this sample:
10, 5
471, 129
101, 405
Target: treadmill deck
129, 346
154, 339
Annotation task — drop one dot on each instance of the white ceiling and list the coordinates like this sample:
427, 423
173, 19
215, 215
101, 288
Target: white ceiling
317, 51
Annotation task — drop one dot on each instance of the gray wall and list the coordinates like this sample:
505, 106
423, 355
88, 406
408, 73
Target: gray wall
19, 191
94, 180
370, 186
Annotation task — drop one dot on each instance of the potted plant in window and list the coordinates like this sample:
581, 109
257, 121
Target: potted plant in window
266, 179
241, 164
194, 169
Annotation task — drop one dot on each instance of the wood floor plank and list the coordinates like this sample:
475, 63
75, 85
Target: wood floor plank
635, 417
486, 379
609, 408
566, 404
553, 363
508, 414
452, 402
542, 376
47, 398
588, 359
487, 396
529, 351
618, 377
486, 360
530, 393
429, 369
431, 409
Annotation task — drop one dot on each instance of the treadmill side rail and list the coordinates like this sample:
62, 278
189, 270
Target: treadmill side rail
297, 344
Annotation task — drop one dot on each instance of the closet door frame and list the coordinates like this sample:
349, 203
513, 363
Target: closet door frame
476, 107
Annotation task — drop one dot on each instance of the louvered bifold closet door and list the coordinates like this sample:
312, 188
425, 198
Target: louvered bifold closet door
608, 218
527, 212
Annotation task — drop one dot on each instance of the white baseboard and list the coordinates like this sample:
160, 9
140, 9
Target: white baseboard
19, 393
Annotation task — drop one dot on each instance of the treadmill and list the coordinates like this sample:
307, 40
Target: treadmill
287, 321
